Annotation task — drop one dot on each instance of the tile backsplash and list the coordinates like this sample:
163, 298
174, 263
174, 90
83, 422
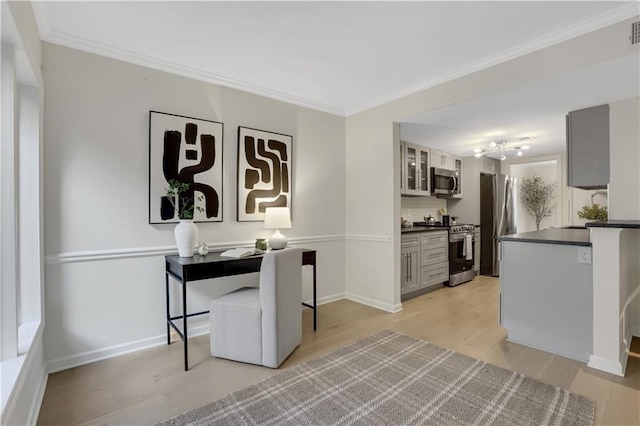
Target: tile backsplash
414, 209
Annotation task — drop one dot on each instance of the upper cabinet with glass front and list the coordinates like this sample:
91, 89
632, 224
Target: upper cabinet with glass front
415, 169
457, 163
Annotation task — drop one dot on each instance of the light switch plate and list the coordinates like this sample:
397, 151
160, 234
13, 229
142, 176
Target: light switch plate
584, 255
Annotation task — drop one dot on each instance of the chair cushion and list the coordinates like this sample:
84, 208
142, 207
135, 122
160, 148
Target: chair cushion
236, 326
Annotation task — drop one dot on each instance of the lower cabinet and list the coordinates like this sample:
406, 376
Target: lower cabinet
410, 269
410, 280
425, 261
434, 274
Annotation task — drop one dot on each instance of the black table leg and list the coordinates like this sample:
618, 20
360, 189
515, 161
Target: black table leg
315, 299
166, 282
184, 324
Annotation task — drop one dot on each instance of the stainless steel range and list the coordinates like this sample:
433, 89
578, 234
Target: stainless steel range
461, 252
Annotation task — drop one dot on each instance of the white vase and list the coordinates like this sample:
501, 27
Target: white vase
186, 233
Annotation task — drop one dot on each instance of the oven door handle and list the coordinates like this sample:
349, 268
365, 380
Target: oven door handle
459, 237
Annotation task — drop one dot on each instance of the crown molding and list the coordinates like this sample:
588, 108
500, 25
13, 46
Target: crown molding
78, 43
56, 37
615, 16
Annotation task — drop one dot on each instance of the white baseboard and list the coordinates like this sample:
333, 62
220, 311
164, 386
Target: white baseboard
387, 307
88, 357
327, 299
33, 376
610, 366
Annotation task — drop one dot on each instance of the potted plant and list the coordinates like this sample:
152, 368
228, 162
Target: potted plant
594, 211
536, 198
184, 203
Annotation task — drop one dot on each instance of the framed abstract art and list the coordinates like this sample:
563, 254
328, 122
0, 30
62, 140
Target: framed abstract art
264, 172
188, 150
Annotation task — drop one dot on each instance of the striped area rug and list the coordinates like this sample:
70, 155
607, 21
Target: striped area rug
393, 379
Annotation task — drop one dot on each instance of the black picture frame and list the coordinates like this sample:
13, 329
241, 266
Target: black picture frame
178, 147
265, 171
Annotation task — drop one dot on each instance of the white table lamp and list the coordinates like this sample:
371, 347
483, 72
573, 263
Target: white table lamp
277, 218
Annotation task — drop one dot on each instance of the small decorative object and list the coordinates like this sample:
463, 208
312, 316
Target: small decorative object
405, 223
277, 218
264, 172
203, 249
594, 211
261, 244
185, 232
187, 150
453, 220
536, 197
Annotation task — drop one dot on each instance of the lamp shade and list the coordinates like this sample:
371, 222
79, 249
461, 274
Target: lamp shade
277, 218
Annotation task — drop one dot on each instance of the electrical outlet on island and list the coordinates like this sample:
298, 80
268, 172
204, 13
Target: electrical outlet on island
584, 255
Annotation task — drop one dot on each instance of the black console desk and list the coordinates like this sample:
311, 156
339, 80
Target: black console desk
185, 269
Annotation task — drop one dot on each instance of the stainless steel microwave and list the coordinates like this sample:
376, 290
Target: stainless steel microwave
444, 183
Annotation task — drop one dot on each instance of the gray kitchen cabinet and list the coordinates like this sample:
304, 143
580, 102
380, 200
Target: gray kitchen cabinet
588, 148
434, 258
457, 165
434, 275
489, 166
435, 253
434, 237
441, 159
410, 261
416, 179
424, 260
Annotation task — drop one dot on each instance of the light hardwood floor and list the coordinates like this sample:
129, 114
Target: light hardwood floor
150, 386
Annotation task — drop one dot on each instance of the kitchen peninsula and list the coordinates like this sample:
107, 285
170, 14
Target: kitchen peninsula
546, 292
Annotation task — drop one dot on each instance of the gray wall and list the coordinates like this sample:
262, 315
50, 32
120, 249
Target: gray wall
105, 280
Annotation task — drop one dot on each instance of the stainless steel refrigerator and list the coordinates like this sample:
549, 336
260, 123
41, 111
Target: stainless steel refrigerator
498, 203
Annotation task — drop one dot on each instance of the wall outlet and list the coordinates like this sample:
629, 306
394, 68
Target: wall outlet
584, 255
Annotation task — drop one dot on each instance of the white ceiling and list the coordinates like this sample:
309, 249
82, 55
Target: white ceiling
339, 57
536, 110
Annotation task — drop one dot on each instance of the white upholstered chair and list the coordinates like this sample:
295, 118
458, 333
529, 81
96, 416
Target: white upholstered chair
261, 325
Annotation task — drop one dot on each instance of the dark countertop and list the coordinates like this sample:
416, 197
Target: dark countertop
635, 224
573, 237
422, 229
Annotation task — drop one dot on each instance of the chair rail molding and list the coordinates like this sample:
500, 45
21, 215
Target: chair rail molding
125, 253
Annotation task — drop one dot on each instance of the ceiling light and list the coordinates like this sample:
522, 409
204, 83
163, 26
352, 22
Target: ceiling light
501, 148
